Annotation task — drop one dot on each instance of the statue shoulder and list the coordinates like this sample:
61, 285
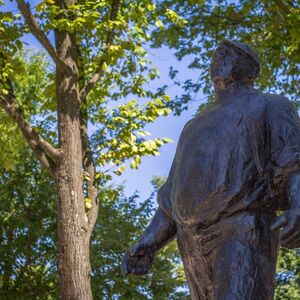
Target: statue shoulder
189, 124
188, 127
277, 103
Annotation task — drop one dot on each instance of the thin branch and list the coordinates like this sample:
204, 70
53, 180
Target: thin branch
88, 163
37, 31
45, 152
109, 40
92, 190
113, 16
89, 170
14, 111
40, 155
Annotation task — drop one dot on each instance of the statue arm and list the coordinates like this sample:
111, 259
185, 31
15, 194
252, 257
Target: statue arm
289, 221
139, 258
160, 231
294, 191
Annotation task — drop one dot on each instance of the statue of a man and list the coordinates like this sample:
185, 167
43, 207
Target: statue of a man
235, 167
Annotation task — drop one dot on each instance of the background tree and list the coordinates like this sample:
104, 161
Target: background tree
98, 57
288, 275
120, 224
28, 240
27, 231
272, 28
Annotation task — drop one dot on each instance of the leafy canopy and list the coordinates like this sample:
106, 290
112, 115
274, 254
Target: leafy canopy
28, 241
114, 77
272, 28
288, 275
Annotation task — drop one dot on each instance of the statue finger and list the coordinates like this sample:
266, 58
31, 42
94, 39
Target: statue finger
143, 269
146, 269
293, 244
288, 231
133, 269
280, 222
124, 264
290, 238
137, 250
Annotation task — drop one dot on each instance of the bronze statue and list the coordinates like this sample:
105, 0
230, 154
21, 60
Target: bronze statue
235, 167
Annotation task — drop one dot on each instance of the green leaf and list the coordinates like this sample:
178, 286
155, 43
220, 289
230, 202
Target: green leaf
167, 140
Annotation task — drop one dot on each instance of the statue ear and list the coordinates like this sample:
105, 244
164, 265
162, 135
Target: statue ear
254, 74
252, 78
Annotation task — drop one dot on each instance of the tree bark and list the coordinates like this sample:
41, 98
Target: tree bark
68, 163
73, 231
74, 156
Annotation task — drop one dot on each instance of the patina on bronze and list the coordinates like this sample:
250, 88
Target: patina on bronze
235, 167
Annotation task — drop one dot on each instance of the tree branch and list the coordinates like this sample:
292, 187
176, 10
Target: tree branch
88, 163
45, 152
109, 40
37, 31
92, 190
14, 111
89, 169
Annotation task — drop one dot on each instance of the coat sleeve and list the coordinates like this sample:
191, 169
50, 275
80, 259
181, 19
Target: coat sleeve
164, 194
164, 197
284, 135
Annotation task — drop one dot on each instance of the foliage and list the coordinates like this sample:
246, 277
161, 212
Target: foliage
35, 90
118, 128
28, 241
119, 225
10, 33
27, 231
158, 181
118, 107
288, 275
272, 28
100, 79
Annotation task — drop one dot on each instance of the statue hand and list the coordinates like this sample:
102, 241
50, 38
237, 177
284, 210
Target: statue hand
289, 223
137, 260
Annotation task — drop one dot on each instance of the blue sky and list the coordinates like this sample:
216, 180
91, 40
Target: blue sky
165, 127
139, 180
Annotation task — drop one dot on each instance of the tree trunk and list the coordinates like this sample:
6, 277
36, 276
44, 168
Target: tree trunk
73, 233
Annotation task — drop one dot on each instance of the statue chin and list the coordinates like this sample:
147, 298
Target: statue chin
221, 83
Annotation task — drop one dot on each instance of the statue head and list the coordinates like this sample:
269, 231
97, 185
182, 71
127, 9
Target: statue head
232, 62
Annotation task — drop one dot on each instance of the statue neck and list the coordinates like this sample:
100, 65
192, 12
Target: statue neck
232, 90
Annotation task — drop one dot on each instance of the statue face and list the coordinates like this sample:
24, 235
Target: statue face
224, 61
